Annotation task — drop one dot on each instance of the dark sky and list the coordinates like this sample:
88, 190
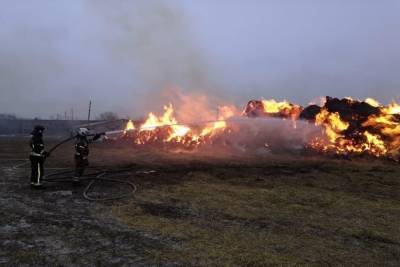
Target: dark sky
123, 54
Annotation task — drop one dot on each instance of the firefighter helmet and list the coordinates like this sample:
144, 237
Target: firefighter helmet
83, 131
38, 129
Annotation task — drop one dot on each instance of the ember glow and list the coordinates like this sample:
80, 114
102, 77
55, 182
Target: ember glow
346, 126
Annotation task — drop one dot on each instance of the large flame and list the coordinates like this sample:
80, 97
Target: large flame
129, 126
167, 129
333, 124
283, 108
372, 102
376, 133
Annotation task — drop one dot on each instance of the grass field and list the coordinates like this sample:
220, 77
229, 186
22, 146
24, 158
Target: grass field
214, 208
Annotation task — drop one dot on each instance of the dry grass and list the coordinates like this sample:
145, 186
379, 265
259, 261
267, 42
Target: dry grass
218, 209
312, 212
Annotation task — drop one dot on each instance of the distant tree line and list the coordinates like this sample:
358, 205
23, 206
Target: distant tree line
6, 116
105, 116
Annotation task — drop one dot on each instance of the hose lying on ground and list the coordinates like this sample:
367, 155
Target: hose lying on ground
66, 176
89, 186
93, 178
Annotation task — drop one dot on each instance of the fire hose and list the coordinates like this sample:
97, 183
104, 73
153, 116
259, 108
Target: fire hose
92, 178
61, 143
62, 176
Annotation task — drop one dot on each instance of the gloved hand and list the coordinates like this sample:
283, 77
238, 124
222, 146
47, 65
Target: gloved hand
46, 154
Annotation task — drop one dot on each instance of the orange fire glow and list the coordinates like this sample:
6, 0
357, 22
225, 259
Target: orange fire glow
377, 133
167, 129
285, 108
377, 136
129, 126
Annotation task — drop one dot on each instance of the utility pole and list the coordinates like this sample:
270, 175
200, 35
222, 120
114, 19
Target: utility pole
65, 115
72, 114
88, 116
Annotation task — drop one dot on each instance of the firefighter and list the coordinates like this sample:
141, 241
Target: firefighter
37, 156
82, 152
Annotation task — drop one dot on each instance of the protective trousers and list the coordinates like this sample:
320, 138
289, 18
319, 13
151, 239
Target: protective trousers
37, 171
80, 165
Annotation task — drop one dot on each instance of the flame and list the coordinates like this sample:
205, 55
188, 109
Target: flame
167, 129
375, 144
129, 126
372, 102
272, 106
392, 109
284, 108
342, 132
176, 131
153, 121
378, 135
333, 124
213, 128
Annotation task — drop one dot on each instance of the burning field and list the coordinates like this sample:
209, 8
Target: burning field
210, 208
226, 186
178, 133
338, 126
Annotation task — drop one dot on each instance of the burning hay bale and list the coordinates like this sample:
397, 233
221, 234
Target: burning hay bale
165, 129
272, 108
350, 110
348, 126
358, 127
310, 113
340, 126
254, 108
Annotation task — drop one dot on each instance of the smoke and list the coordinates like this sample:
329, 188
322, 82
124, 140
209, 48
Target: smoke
120, 54
268, 134
48, 65
155, 36
28, 56
126, 55
250, 136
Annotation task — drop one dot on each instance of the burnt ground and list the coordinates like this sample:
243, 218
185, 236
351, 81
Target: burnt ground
203, 209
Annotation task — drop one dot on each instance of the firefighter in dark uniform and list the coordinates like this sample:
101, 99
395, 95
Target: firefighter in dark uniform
82, 152
37, 156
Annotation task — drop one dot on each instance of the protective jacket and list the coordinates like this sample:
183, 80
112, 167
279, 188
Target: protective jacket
82, 153
37, 146
37, 158
81, 156
82, 147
